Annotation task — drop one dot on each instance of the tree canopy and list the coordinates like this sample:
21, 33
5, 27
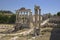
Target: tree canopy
58, 13
4, 19
3, 11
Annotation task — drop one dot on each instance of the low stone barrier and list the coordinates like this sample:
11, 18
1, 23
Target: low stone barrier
5, 27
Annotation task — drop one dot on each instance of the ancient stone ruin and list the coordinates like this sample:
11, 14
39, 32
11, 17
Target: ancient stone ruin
25, 18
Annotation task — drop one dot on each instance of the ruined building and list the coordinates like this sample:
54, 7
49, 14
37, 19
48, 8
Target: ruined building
24, 18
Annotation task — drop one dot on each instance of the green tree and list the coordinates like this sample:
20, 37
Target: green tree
58, 13
4, 11
4, 19
12, 19
1, 18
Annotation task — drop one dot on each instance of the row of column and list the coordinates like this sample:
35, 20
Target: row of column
37, 14
26, 16
20, 14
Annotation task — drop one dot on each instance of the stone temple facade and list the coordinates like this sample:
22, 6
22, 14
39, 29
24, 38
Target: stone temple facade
25, 18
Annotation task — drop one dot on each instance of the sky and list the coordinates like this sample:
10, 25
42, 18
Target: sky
47, 6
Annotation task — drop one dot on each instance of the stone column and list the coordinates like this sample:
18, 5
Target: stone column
17, 21
37, 27
30, 19
36, 14
39, 17
17, 15
24, 18
31, 16
27, 14
20, 17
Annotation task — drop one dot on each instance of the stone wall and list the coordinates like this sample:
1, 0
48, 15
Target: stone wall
6, 27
